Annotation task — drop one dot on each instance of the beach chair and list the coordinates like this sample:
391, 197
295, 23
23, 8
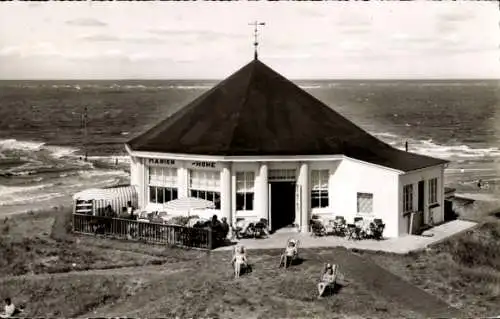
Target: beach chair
327, 280
353, 231
378, 229
317, 228
339, 225
239, 261
290, 254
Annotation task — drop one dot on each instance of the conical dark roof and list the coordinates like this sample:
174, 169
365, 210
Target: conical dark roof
256, 112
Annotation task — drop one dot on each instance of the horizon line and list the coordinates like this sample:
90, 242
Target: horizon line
221, 79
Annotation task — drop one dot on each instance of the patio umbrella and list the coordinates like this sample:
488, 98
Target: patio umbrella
188, 203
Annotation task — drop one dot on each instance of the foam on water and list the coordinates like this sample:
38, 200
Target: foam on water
13, 144
29, 199
8, 190
429, 147
32, 146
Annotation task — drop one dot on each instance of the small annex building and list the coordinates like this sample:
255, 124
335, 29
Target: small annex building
259, 146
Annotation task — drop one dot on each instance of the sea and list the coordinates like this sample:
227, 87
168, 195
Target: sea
43, 143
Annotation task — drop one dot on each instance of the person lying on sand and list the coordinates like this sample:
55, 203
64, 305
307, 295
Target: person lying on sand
328, 279
9, 309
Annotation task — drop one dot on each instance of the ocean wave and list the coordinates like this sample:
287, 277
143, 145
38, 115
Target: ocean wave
455, 151
8, 190
429, 147
110, 159
13, 144
305, 87
30, 199
94, 173
32, 146
465, 170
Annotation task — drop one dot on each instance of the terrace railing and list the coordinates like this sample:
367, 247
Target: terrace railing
141, 231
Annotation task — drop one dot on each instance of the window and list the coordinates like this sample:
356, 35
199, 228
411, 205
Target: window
365, 203
162, 184
319, 188
408, 198
205, 185
433, 183
160, 195
244, 190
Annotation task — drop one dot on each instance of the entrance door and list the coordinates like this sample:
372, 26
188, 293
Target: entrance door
282, 204
421, 196
421, 202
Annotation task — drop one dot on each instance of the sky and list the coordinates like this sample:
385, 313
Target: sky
211, 40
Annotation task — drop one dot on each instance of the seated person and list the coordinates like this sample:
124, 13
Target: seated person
239, 260
290, 253
130, 208
224, 227
9, 309
327, 279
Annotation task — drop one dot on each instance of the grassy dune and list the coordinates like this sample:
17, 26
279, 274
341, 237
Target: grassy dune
464, 271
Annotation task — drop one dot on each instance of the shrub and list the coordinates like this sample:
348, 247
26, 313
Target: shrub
480, 247
62, 226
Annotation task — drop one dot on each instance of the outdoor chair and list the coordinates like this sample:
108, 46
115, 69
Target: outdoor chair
239, 261
353, 231
339, 225
260, 228
327, 280
317, 228
290, 254
378, 231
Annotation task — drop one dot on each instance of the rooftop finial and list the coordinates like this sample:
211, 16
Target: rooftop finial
255, 33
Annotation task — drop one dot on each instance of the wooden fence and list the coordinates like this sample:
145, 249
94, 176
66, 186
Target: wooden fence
141, 231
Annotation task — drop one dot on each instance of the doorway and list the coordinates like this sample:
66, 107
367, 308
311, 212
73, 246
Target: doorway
282, 204
421, 202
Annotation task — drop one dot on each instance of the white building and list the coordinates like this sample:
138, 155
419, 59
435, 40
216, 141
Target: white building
261, 147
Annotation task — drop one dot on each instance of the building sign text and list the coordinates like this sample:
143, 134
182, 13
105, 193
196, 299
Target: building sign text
204, 164
156, 161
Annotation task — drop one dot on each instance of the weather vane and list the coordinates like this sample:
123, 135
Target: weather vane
256, 24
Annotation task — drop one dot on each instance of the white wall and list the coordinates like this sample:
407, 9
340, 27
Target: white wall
351, 177
137, 178
413, 178
347, 178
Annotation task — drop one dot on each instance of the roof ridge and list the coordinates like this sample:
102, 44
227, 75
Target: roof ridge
243, 104
182, 110
326, 107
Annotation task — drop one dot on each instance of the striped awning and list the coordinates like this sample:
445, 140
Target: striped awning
117, 197
188, 203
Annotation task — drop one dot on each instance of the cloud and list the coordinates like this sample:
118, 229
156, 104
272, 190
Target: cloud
86, 22
352, 20
99, 38
197, 34
354, 30
456, 16
411, 38
37, 49
129, 39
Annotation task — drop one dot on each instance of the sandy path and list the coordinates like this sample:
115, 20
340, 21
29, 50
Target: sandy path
392, 287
